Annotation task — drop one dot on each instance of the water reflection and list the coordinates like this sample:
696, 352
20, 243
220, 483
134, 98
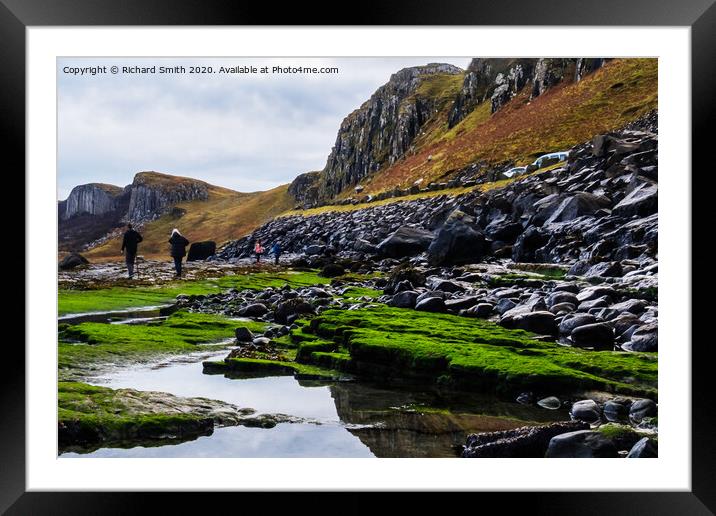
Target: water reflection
356, 419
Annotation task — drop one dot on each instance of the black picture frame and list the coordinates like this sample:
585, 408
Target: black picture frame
699, 15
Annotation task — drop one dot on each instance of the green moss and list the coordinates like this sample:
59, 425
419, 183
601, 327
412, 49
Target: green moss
534, 273
354, 293
89, 414
124, 343
306, 348
267, 367
476, 354
616, 431
118, 298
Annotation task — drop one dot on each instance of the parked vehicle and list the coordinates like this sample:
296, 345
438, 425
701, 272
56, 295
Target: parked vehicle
550, 159
515, 171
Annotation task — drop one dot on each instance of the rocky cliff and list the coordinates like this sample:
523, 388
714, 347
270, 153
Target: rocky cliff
304, 189
93, 211
153, 194
384, 127
483, 77
421, 104
91, 199
499, 80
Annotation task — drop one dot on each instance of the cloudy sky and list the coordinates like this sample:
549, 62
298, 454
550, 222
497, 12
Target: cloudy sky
247, 132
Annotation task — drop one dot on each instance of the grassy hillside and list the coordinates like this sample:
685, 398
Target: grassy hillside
226, 215
564, 116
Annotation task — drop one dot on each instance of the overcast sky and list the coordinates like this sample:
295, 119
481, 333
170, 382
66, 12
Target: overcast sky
247, 132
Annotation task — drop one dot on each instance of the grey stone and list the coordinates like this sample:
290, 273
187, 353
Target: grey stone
586, 410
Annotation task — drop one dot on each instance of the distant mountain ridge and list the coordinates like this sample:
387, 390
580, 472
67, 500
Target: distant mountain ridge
93, 210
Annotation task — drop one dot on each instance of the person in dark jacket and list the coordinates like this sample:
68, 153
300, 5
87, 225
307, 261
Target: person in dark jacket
178, 243
276, 251
129, 248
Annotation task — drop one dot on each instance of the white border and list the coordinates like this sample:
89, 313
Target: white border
671, 471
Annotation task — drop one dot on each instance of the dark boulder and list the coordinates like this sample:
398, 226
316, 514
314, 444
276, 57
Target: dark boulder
572, 321
399, 275
444, 285
461, 303
314, 249
582, 203
642, 201
594, 305
562, 297
645, 448
634, 306
254, 310
332, 270
581, 444
201, 250
586, 410
481, 310
243, 334
527, 441
579, 268
562, 308
541, 322
591, 293
503, 230
598, 336
641, 409
458, 241
431, 304
504, 305
644, 338
71, 261
405, 241
291, 308
404, 299
527, 243
605, 270
617, 409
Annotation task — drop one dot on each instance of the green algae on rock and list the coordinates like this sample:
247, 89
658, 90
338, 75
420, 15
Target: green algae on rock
466, 353
236, 367
87, 346
89, 414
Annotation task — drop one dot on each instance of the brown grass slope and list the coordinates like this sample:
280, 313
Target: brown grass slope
226, 215
564, 116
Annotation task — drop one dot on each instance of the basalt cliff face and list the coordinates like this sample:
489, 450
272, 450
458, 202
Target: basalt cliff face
153, 194
95, 210
92, 199
385, 126
499, 80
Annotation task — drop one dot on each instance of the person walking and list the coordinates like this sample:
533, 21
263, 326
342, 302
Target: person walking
276, 251
129, 248
259, 250
178, 251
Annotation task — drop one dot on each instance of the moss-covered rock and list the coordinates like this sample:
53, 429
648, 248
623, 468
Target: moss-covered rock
237, 366
90, 415
469, 353
85, 347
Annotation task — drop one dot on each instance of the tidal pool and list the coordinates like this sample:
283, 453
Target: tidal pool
342, 419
